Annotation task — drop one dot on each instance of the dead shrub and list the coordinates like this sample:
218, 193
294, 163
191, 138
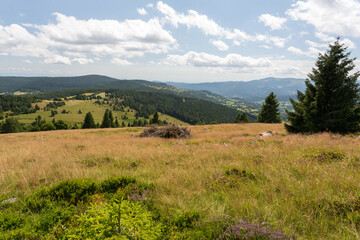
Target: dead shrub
170, 131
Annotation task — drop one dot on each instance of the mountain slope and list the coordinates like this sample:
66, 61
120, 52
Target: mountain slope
11, 84
251, 90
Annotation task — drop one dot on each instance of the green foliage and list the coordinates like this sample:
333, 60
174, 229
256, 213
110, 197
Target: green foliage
155, 118
186, 219
111, 185
106, 122
73, 191
189, 110
17, 104
326, 156
331, 100
242, 118
47, 126
60, 124
11, 125
115, 220
269, 112
89, 121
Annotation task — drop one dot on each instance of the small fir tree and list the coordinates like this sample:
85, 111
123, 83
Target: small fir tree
242, 118
89, 121
269, 112
331, 99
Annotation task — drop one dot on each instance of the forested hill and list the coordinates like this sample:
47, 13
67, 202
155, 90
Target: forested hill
28, 84
46, 84
251, 90
189, 110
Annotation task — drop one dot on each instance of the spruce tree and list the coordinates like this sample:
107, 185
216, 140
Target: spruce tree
269, 112
89, 121
111, 119
106, 122
331, 99
155, 119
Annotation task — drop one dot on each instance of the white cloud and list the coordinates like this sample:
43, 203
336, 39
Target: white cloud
142, 11
209, 27
150, 5
311, 52
329, 39
241, 65
275, 23
340, 17
82, 61
120, 62
72, 37
219, 44
57, 59
207, 60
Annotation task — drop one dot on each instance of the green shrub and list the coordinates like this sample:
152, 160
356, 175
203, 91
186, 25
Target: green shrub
73, 191
186, 219
111, 185
116, 220
326, 156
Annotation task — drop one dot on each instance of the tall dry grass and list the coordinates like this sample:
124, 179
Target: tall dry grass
292, 189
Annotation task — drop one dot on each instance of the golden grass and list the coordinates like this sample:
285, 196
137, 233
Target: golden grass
288, 192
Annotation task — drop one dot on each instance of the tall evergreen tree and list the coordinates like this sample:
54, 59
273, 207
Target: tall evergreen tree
331, 99
89, 121
106, 122
155, 118
111, 117
269, 112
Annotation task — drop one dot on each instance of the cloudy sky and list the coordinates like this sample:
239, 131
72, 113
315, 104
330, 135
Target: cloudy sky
172, 40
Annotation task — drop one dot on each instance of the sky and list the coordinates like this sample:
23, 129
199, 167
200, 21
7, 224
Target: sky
172, 40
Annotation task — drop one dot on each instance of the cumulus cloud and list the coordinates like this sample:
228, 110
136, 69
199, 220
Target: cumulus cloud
340, 17
85, 37
220, 45
208, 60
311, 52
82, 61
329, 39
209, 27
142, 11
58, 60
120, 62
238, 64
275, 23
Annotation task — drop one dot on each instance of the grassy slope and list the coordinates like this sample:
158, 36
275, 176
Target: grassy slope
85, 106
290, 192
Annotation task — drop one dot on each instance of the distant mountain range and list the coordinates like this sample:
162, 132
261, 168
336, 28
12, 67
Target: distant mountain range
255, 90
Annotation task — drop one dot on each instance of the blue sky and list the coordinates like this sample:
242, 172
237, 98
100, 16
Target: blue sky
184, 41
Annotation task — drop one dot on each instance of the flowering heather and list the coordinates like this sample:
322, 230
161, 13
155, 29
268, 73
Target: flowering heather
248, 231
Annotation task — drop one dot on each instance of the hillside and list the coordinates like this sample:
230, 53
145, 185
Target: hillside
306, 186
255, 90
100, 83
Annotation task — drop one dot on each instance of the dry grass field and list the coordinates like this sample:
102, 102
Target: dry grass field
308, 186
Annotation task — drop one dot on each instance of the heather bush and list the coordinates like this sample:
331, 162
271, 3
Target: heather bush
248, 231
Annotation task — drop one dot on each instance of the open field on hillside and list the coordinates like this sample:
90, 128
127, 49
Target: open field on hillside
73, 107
308, 186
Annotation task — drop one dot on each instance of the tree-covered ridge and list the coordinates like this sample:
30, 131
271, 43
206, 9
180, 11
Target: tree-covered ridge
189, 110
